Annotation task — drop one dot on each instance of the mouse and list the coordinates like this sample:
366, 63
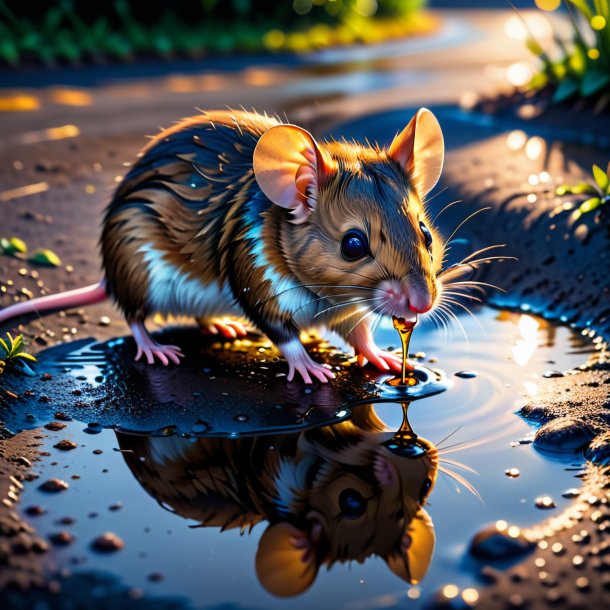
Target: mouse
324, 496
234, 214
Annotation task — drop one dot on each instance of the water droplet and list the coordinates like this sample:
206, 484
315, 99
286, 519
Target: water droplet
93, 429
466, 374
241, 418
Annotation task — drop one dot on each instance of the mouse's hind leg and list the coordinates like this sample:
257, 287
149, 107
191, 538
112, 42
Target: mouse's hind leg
149, 348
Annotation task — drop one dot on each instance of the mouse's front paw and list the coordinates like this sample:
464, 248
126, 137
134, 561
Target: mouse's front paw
384, 361
300, 362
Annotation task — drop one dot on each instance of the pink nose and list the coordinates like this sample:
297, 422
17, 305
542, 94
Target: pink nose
419, 303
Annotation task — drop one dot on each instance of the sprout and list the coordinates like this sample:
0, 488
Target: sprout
11, 352
599, 188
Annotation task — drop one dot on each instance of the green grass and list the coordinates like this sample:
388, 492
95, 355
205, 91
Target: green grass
12, 353
598, 188
582, 69
74, 32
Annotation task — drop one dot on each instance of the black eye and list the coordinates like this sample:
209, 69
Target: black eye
354, 245
425, 488
427, 235
352, 504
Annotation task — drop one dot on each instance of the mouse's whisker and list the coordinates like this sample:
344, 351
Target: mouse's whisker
452, 317
445, 207
345, 303
476, 284
324, 298
463, 295
343, 287
460, 480
469, 217
365, 316
457, 303
481, 251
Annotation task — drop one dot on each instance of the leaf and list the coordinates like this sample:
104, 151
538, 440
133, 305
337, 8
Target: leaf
45, 257
583, 7
12, 245
600, 177
590, 204
26, 356
4, 347
566, 89
583, 188
593, 81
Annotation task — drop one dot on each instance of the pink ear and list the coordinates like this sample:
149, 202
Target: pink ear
420, 149
289, 166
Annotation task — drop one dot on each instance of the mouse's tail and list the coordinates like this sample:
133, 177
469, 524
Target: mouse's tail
89, 295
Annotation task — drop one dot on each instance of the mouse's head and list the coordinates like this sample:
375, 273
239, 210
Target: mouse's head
358, 217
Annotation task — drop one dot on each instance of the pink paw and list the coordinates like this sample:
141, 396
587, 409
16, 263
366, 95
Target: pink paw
164, 353
300, 362
231, 329
384, 361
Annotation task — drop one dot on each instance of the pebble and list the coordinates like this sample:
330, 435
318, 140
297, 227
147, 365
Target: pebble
54, 485
544, 502
61, 538
107, 543
492, 543
35, 511
466, 374
104, 321
65, 445
513, 473
563, 434
552, 374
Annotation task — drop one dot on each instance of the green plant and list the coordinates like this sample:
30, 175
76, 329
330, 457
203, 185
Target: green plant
599, 188
12, 352
583, 66
68, 31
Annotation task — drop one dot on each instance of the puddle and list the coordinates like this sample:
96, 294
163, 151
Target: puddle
343, 482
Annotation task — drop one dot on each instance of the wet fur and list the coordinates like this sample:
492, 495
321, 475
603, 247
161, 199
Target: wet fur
192, 197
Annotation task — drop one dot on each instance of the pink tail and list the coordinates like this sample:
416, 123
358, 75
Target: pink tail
73, 298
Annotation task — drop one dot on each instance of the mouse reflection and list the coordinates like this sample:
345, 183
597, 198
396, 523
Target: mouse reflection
340, 493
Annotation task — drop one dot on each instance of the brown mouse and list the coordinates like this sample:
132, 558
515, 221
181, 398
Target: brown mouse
236, 214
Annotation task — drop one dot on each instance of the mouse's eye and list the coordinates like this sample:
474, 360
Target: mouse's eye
425, 489
427, 235
352, 504
354, 245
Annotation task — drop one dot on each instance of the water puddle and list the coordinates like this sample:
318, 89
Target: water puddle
355, 482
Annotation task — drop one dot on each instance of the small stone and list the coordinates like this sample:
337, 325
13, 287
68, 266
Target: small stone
24, 461
107, 543
116, 506
35, 511
155, 577
104, 321
62, 416
512, 473
552, 374
563, 434
466, 374
97, 452
493, 543
544, 502
65, 445
582, 583
54, 485
61, 538
573, 492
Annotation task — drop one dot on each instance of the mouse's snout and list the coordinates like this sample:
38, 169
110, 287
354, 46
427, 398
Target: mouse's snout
403, 298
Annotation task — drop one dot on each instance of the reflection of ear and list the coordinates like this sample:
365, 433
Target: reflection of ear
286, 562
289, 166
419, 149
412, 563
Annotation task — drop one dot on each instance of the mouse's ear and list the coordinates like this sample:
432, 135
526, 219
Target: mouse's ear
420, 150
411, 560
289, 166
286, 560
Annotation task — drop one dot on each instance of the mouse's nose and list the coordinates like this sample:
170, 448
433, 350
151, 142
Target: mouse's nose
420, 302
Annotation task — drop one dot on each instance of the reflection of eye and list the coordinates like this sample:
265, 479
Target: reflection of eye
352, 504
427, 235
354, 245
425, 488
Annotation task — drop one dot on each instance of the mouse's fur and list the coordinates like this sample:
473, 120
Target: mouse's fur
296, 487
234, 213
